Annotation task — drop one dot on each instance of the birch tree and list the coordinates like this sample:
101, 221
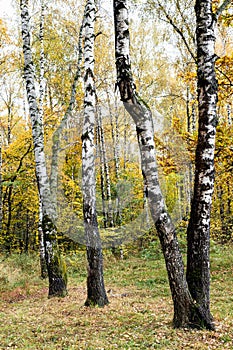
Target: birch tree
96, 294
198, 233
186, 311
55, 266
41, 114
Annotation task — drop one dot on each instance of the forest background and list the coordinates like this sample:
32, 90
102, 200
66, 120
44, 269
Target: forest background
165, 76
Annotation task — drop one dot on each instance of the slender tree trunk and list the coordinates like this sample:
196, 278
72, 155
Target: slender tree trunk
198, 233
1, 204
186, 313
188, 110
96, 294
109, 208
115, 140
102, 172
43, 265
26, 233
8, 241
225, 234
42, 62
55, 266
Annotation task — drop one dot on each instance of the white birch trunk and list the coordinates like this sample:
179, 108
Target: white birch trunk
43, 266
42, 62
198, 233
57, 277
96, 294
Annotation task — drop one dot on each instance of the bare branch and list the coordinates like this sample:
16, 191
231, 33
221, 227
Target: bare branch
178, 30
221, 8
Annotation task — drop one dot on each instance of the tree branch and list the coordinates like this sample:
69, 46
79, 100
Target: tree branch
221, 8
178, 30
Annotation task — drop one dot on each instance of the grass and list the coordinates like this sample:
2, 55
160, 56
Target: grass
139, 315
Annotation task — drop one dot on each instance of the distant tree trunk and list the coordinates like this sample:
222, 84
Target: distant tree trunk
225, 234
1, 204
115, 140
102, 181
26, 233
107, 180
229, 118
186, 313
43, 265
55, 266
198, 233
96, 294
58, 132
8, 240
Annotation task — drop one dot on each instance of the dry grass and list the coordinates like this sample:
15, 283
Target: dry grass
138, 317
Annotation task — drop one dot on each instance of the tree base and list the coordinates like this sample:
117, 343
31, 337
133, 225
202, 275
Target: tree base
101, 302
57, 288
195, 318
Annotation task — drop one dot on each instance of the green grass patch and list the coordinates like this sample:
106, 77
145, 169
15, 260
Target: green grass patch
139, 315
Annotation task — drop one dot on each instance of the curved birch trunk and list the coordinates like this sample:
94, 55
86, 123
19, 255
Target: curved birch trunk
96, 294
56, 268
198, 233
186, 313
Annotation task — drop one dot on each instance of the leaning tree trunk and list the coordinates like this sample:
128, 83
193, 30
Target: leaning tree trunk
198, 233
186, 313
56, 267
96, 294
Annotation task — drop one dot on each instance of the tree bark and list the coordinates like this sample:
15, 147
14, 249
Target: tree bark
198, 233
55, 266
96, 294
102, 168
186, 313
1, 206
43, 265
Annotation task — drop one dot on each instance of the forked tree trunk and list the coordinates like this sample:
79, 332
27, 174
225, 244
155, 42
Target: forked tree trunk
96, 294
55, 266
186, 313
